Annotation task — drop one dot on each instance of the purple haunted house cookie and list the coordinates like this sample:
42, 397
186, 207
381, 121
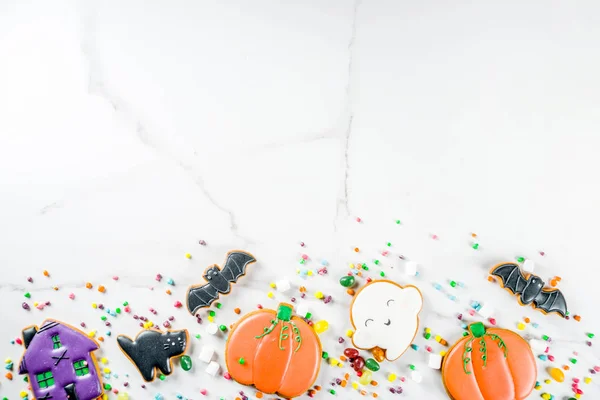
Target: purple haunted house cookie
59, 361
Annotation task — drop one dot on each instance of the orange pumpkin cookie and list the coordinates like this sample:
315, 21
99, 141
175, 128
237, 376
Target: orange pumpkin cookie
274, 351
489, 364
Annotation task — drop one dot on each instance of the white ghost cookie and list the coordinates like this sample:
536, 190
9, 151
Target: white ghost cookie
385, 314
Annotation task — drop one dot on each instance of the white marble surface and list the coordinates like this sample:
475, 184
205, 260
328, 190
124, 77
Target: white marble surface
130, 130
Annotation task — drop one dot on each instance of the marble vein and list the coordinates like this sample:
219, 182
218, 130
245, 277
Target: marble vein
343, 206
97, 87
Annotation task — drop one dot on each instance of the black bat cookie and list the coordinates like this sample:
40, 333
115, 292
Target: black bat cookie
218, 280
530, 289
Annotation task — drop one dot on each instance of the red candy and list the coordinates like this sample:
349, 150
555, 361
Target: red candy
359, 363
351, 353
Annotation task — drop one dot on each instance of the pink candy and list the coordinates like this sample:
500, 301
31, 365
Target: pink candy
72, 296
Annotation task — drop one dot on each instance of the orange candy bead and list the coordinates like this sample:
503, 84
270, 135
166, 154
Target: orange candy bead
527, 320
101, 289
46, 273
259, 395
491, 279
302, 289
237, 310
577, 318
350, 292
89, 285
566, 367
378, 354
356, 249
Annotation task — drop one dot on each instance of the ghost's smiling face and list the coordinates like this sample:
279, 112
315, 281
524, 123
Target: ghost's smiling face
386, 315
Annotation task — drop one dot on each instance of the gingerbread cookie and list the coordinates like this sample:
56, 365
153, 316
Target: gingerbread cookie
274, 351
60, 362
386, 315
530, 289
489, 364
219, 280
153, 349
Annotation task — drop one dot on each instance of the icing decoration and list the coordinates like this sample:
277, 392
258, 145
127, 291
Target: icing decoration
219, 280
153, 349
386, 315
274, 351
530, 289
60, 362
490, 363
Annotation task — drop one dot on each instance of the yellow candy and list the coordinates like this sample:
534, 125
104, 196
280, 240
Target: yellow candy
297, 270
577, 395
123, 396
443, 353
547, 381
438, 338
333, 361
366, 377
211, 318
546, 396
321, 326
310, 273
104, 360
272, 285
188, 255
520, 326
351, 266
23, 394
427, 330
587, 380
355, 385
94, 305
106, 370
35, 304
271, 295
7, 361
349, 333
538, 387
319, 295
392, 377
557, 374
92, 334
104, 396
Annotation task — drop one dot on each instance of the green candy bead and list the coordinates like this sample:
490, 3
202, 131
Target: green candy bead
372, 365
382, 273
325, 355
186, 363
212, 313
475, 246
347, 281
162, 377
376, 262
107, 386
453, 283
520, 259
223, 328
242, 361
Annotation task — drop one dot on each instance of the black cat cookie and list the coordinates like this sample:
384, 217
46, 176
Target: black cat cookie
153, 349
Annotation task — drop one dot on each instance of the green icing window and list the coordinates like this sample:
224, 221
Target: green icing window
81, 368
56, 342
45, 379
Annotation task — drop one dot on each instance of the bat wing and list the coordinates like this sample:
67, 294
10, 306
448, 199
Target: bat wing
235, 265
201, 296
551, 301
511, 277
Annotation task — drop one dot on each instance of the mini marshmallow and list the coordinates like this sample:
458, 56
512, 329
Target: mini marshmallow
486, 311
538, 346
213, 368
416, 376
528, 266
410, 268
212, 328
302, 310
206, 354
283, 285
435, 361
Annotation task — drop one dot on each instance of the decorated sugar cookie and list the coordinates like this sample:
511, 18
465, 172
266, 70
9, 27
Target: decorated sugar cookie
385, 315
489, 364
274, 351
153, 349
60, 362
218, 280
530, 289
